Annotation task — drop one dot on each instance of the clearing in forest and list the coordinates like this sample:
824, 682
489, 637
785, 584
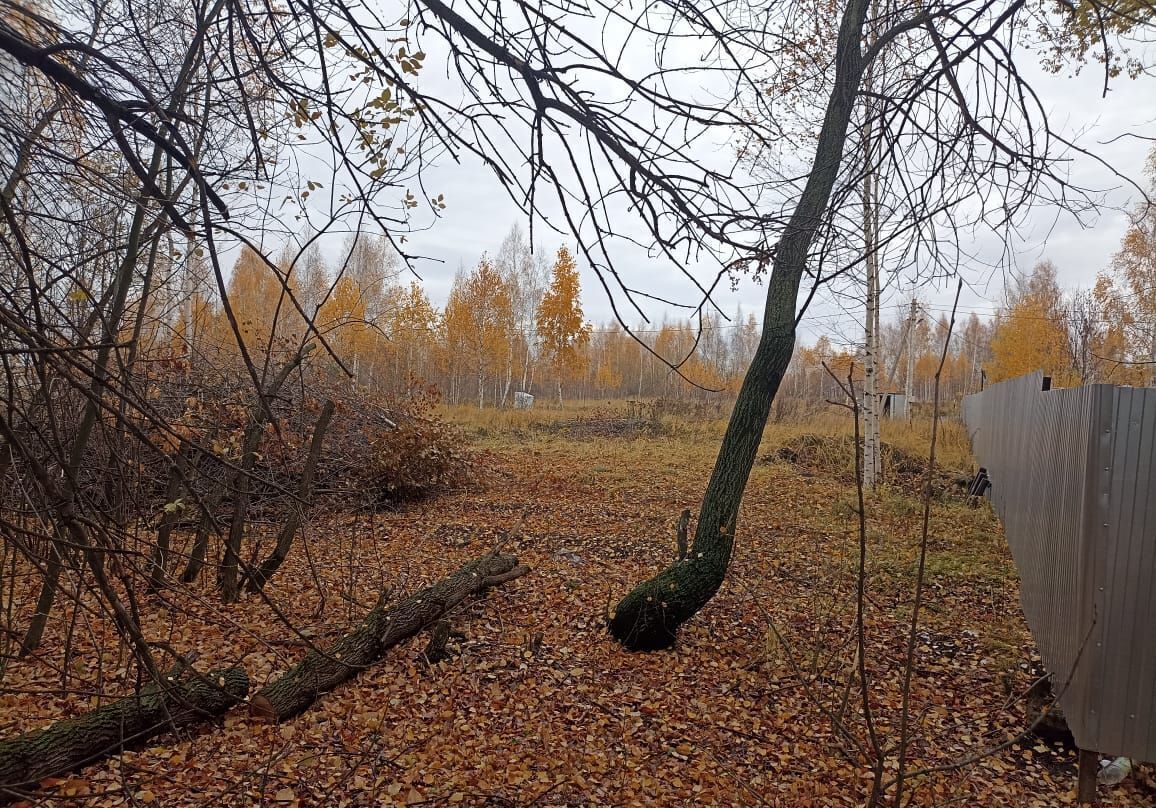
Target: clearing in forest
537, 705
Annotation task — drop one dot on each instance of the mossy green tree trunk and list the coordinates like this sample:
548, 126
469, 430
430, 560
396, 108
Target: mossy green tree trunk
29, 758
648, 617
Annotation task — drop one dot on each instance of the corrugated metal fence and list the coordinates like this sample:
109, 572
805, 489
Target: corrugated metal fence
1073, 478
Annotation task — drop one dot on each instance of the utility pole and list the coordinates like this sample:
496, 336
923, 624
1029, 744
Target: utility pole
1152, 303
902, 350
906, 345
912, 319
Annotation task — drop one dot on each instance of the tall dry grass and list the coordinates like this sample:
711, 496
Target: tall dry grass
501, 425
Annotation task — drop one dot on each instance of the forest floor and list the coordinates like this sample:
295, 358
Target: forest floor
743, 710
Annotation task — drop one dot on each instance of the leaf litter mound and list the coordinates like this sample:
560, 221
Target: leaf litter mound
605, 424
834, 454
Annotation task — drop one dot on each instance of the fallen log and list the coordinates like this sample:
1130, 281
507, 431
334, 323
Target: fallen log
322, 670
66, 745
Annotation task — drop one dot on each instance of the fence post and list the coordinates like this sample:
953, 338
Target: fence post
1089, 766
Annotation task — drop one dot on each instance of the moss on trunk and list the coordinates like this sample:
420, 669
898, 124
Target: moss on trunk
29, 758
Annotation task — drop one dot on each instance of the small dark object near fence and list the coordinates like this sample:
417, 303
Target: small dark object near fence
979, 485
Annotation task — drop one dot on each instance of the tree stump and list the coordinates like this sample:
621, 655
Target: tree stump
680, 531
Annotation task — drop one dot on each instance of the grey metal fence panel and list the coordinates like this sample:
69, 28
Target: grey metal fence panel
1073, 472
1123, 700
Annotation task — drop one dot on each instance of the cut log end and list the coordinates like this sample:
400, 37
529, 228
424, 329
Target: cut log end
261, 709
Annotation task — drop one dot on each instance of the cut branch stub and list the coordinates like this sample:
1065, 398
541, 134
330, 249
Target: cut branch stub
681, 533
439, 637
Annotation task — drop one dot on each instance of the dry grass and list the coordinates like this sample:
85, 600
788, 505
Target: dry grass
499, 427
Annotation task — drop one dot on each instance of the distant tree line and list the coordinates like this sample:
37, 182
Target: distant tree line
514, 322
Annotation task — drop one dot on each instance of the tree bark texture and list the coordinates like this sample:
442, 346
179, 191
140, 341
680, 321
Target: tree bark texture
227, 576
29, 758
648, 617
260, 576
322, 670
160, 556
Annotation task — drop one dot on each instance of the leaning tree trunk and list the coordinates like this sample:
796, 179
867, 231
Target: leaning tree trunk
648, 617
29, 758
382, 628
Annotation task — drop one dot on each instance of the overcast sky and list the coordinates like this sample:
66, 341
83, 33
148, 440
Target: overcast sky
479, 214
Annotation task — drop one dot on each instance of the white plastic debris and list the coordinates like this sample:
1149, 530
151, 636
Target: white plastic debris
1115, 772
